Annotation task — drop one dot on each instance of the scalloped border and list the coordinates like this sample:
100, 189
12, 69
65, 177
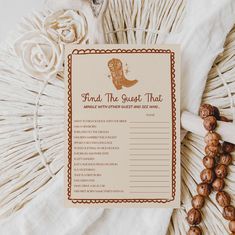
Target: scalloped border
69, 128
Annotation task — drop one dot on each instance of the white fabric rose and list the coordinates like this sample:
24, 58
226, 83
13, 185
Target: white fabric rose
40, 55
66, 26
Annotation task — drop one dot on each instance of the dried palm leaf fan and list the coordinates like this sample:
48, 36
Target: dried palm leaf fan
220, 92
32, 109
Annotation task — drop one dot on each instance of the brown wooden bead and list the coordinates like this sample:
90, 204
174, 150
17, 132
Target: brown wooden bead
212, 138
223, 199
212, 151
203, 189
232, 226
208, 162
206, 110
194, 217
224, 119
216, 113
229, 213
194, 230
210, 123
207, 176
221, 171
225, 159
218, 184
198, 202
227, 147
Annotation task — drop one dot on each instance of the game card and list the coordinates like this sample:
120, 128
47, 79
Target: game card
122, 126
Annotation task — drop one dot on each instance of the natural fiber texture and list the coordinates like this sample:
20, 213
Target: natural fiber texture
32, 110
142, 22
32, 128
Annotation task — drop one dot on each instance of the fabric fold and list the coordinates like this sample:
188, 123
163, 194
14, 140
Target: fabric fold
46, 214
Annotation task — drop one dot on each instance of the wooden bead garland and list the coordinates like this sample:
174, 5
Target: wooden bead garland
227, 147
194, 230
210, 123
212, 138
223, 199
216, 163
232, 226
208, 162
229, 213
221, 171
225, 159
206, 110
212, 151
198, 202
194, 217
207, 176
203, 189
218, 184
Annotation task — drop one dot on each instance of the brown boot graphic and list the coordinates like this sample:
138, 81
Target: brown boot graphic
118, 77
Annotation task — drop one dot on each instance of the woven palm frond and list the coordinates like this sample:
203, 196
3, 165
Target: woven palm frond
31, 128
219, 91
142, 22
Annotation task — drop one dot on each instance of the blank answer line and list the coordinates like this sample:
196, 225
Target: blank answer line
148, 132
151, 186
149, 175
149, 170
149, 127
149, 181
149, 144
146, 138
148, 148
149, 192
149, 154
150, 165
148, 122
148, 159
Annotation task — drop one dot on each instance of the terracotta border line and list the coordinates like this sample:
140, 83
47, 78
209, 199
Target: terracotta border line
69, 127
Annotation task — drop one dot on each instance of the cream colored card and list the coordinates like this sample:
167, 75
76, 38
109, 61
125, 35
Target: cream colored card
122, 126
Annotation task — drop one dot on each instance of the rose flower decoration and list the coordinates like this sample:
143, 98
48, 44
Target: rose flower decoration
41, 57
66, 26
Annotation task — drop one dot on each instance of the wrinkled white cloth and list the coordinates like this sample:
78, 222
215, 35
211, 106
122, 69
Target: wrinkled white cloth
204, 31
46, 215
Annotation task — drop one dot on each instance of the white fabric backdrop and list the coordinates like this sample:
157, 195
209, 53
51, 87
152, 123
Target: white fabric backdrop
11, 12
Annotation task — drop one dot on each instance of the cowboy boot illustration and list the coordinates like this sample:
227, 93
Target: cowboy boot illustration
118, 77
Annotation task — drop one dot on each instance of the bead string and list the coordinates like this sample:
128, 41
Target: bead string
218, 158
